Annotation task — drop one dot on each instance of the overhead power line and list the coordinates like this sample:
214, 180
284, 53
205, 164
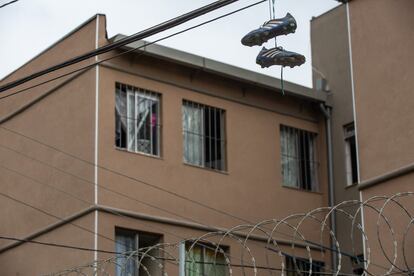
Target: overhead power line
122, 194
150, 205
127, 40
11, 2
171, 260
118, 214
132, 50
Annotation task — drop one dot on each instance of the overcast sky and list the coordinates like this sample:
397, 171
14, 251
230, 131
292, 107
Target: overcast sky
29, 26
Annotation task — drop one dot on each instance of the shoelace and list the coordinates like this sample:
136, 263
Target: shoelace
273, 16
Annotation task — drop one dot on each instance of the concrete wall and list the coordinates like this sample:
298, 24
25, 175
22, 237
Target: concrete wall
33, 173
330, 59
35, 259
251, 187
41, 185
383, 59
382, 43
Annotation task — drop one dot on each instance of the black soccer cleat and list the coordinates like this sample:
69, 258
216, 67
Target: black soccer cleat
278, 56
270, 29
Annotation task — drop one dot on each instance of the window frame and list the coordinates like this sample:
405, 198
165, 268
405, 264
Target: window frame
137, 235
307, 168
349, 138
204, 247
216, 146
298, 262
137, 94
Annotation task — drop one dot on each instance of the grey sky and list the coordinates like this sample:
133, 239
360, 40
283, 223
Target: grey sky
29, 26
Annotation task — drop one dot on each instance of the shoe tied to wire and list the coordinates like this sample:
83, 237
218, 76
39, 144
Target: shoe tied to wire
278, 56
270, 29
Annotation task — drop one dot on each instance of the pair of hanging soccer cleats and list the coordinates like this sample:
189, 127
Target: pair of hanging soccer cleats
277, 55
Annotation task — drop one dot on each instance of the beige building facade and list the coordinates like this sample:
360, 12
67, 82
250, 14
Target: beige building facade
363, 49
153, 146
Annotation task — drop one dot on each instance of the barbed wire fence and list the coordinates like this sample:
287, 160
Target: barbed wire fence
385, 236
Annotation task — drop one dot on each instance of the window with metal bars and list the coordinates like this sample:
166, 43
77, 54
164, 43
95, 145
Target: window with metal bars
137, 119
298, 154
300, 266
204, 135
129, 261
350, 154
204, 259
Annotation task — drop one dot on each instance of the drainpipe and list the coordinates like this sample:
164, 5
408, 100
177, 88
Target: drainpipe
328, 123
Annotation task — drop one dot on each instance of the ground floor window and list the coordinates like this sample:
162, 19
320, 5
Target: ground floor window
300, 266
126, 243
202, 260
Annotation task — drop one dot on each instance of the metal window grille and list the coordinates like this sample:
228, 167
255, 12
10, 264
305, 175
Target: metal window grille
204, 135
127, 241
350, 154
202, 259
298, 156
137, 119
300, 266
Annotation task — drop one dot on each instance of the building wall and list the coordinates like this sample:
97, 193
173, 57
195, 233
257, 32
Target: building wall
65, 119
82, 40
40, 183
36, 259
251, 187
253, 152
383, 83
382, 43
173, 234
331, 61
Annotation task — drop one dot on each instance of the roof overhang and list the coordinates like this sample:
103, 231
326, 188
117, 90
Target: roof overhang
223, 69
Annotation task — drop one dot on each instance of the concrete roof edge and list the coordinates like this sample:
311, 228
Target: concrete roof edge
224, 69
54, 44
325, 13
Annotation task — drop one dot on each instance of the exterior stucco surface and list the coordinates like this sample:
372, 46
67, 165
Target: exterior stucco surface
383, 59
251, 187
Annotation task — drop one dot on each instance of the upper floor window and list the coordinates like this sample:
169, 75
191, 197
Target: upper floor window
127, 243
204, 136
298, 154
137, 119
350, 154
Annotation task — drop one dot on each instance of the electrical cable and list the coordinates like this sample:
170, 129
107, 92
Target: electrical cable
127, 40
155, 257
160, 40
132, 50
34, 159
109, 170
164, 38
6, 4
54, 216
113, 213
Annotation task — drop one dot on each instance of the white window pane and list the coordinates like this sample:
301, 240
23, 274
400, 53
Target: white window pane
131, 120
126, 265
193, 134
137, 119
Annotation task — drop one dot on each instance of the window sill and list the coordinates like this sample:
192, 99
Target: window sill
205, 168
302, 190
139, 153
